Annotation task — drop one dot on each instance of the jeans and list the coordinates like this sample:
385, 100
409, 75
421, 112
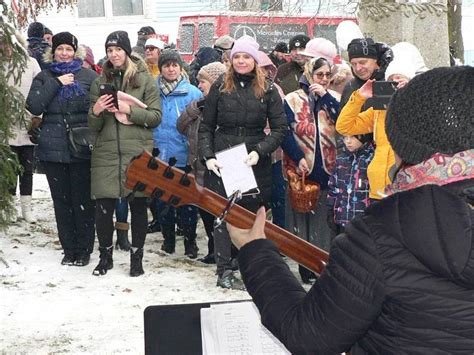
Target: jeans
121, 210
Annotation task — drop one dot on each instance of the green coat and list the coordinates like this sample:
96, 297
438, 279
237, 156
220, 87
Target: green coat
117, 143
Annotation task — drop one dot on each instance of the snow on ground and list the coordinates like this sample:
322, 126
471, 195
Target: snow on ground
50, 308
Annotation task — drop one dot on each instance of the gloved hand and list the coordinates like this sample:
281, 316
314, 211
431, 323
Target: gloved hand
34, 134
214, 166
252, 158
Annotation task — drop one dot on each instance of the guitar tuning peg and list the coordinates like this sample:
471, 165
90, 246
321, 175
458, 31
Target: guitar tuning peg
173, 200
155, 152
172, 161
157, 193
152, 164
184, 179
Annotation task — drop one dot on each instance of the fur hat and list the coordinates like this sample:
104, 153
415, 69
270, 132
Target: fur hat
119, 39
434, 113
64, 38
211, 71
169, 55
362, 48
36, 29
298, 41
245, 44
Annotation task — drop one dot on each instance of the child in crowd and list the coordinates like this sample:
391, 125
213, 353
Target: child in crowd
348, 194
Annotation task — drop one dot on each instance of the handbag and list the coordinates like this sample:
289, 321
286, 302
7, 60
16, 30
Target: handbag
81, 142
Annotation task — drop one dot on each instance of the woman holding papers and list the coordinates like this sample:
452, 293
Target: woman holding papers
124, 129
311, 149
236, 111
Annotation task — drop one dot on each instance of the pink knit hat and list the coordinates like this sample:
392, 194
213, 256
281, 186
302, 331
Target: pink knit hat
89, 55
245, 44
320, 48
264, 61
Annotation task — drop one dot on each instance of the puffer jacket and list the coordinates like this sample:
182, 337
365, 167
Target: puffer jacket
19, 129
399, 281
117, 143
352, 122
239, 117
166, 137
44, 99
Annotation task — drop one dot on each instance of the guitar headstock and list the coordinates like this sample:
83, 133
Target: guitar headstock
157, 179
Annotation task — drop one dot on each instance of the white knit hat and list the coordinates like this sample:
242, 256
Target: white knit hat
407, 61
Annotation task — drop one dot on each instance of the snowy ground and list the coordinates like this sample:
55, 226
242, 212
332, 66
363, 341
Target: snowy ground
48, 308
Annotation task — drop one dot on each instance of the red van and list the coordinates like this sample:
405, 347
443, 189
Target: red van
196, 31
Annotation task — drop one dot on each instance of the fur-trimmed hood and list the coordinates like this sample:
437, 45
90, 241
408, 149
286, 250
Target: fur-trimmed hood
48, 56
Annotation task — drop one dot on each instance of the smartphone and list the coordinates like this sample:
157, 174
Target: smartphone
382, 91
109, 89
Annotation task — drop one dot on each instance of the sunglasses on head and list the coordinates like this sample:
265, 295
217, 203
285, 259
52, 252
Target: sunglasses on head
322, 75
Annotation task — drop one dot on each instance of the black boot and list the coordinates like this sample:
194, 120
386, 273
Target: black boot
190, 246
105, 262
136, 267
122, 236
169, 236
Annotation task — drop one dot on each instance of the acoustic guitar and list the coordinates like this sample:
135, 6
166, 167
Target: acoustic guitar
157, 179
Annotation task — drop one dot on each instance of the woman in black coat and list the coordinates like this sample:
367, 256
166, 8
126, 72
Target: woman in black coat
236, 111
401, 278
61, 94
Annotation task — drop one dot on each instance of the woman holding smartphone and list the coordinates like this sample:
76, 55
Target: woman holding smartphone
124, 128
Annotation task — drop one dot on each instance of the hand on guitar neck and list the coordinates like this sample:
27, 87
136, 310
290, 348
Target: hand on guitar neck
157, 179
240, 237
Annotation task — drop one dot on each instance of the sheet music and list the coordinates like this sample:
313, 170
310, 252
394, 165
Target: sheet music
236, 329
236, 175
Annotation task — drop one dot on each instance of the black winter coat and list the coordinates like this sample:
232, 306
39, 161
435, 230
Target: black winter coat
239, 117
44, 99
399, 281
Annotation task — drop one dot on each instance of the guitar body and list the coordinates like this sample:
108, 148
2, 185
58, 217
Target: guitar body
157, 179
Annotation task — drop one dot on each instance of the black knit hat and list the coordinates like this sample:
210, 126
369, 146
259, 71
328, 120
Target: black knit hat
362, 48
281, 47
298, 41
169, 55
47, 31
64, 38
36, 29
434, 113
119, 39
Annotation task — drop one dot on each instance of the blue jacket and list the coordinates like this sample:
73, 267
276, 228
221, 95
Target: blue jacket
166, 137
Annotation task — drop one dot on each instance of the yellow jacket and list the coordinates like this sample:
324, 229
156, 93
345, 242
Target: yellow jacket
352, 122
153, 70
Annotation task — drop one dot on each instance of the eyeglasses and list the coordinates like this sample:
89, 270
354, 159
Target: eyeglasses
150, 48
322, 75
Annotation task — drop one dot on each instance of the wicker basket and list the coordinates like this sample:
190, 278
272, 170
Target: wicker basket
305, 199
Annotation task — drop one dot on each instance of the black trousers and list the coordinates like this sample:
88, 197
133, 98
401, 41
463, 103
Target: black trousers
25, 157
70, 185
104, 221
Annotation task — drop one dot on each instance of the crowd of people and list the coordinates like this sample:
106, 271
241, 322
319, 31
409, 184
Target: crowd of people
300, 110
395, 186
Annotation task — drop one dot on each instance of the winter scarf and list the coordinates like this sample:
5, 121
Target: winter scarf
61, 68
440, 169
307, 132
167, 87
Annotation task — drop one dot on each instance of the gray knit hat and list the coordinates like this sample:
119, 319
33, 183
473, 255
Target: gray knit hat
434, 113
169, 55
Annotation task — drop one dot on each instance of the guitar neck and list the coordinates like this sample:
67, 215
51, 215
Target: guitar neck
290, 245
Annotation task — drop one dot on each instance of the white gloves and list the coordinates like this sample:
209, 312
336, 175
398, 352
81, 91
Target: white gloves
212, 165
252, 159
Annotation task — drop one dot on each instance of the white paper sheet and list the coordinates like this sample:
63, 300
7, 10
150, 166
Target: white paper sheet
235, 328
236, 175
